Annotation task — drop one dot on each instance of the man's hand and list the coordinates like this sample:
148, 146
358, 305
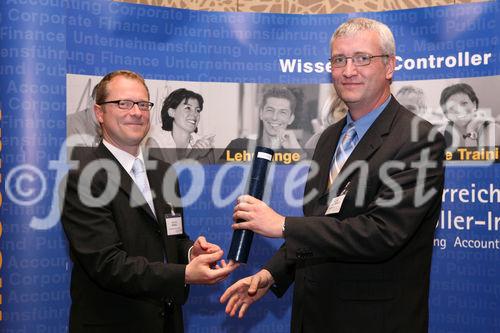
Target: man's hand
245, 292
288, 140
201, 246
201, 269
258, 217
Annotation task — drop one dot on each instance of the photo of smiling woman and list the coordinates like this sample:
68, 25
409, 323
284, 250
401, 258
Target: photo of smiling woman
468, 126
276, 113
177, 136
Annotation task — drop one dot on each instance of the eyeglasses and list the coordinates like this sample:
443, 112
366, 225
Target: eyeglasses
126, 104
357, 60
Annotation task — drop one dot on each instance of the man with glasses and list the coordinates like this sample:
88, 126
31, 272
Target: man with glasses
360, 257
132, 261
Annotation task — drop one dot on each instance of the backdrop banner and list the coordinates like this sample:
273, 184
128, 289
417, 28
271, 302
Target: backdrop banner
54, 52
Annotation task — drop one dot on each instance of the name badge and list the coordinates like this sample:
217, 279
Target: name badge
335, 205
173, 224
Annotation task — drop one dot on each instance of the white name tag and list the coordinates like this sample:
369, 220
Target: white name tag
173, 224
335, 205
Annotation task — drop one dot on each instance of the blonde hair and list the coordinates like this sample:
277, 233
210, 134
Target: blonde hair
102, 91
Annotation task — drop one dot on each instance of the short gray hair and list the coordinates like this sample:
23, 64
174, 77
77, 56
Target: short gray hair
355, 25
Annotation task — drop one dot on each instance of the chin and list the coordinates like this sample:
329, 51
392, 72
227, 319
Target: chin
189, 129
462, 123
349, 97
137, 136
272, 132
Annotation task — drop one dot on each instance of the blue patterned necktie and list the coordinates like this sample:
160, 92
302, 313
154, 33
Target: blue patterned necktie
141, 180
348, 141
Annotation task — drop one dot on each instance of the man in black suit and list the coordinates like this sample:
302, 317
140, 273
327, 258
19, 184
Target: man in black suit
133, 262
360, 257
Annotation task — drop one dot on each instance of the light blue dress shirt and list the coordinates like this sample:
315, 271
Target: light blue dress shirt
363, 124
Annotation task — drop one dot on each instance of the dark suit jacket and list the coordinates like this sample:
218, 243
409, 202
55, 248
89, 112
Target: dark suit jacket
120, 282
366, 268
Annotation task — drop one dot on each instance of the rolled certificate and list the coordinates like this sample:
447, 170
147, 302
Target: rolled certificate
242, 239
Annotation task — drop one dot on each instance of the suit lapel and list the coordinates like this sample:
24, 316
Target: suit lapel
155, 178
326, 157
162, 208
322, 157
368, 145
374, 137
125, 183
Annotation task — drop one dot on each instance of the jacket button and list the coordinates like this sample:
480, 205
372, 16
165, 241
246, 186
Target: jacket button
161, 314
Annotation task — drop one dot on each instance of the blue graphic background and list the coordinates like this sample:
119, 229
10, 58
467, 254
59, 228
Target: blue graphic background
43, 41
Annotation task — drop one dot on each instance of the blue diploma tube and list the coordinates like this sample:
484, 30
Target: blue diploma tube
242, 239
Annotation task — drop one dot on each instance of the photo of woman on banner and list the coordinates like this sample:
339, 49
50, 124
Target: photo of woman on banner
276, 113
467, 125
177, 136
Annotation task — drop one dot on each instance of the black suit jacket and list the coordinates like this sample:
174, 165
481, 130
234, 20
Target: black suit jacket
365, 268
120, 281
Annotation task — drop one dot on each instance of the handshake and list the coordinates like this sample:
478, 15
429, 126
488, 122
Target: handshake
203, 269
206, 265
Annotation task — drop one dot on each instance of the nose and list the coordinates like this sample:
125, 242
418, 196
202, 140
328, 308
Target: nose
135, 111
350, 69
275, 115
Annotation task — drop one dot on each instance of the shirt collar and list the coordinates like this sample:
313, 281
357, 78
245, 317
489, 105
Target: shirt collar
363, 124
125, 159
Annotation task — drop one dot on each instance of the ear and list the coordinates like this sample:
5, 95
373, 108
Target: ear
390, 67
98, 111
171, 112
260, 114
292, 118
